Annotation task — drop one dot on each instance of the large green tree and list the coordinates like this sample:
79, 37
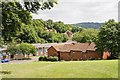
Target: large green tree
26, 48
28, 34
61, 27
109, 38
32, 33
76, 29
86, 35
16, 13
49, 24
12, 48
23, 48
52, 37
37, 32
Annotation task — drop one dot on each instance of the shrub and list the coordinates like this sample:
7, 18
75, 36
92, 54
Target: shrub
42, 58
92, 58
23, 59
99, 58
5, 72
45, 58
55, 58
50, 58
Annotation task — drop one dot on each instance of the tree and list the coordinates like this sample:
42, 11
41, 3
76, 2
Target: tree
26, 48
65, 38
13, 15
86, 35
61, 27
23, 48
76, 29
29, 34
49, 24
16, 13
109, 38
34, 5
12, 48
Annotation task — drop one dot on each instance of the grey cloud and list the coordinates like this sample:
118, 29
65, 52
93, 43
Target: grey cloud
72, 11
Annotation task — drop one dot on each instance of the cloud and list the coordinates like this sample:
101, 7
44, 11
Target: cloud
73, 11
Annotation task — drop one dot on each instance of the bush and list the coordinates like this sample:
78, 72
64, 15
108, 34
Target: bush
99, 59
23, 59
92, 59
50, 58
42, 58
55, 58
5, 72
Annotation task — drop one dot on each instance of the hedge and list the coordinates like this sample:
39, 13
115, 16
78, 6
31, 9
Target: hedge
43, 58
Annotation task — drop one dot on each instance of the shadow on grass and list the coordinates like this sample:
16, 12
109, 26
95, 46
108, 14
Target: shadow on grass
5, 72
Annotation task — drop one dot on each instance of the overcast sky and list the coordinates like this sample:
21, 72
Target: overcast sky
75, 11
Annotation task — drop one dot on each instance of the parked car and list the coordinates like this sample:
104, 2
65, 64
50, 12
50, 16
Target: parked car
5, 60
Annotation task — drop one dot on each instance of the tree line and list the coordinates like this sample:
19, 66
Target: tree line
40, 31
18, 25
94, 25
107, 37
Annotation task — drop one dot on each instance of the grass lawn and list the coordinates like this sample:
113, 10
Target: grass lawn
70, 69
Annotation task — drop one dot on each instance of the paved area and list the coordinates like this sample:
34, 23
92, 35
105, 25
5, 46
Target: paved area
33, 59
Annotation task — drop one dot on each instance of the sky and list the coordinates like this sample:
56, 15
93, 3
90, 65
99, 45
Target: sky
76, 11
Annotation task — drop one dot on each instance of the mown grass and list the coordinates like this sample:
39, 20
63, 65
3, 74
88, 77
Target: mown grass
70, 69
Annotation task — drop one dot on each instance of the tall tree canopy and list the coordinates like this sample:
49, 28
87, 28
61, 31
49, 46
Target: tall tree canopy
61, 27
14, 14
86, 35
38, 32
76, 29
109, 38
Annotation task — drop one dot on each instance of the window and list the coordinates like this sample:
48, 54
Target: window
41, 50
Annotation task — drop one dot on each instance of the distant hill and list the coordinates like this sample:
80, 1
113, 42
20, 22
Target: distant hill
89, 25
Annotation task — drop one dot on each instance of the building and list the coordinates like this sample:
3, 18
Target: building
106, 54
69, 33
41, 49
74, 51
4, 54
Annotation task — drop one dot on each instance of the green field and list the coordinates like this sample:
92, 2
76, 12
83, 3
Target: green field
70, 69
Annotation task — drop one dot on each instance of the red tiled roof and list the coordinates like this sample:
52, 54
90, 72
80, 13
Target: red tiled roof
75, 47
92, 47
58, 47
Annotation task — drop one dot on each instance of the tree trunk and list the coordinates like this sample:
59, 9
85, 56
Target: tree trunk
28, 56
23, 55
